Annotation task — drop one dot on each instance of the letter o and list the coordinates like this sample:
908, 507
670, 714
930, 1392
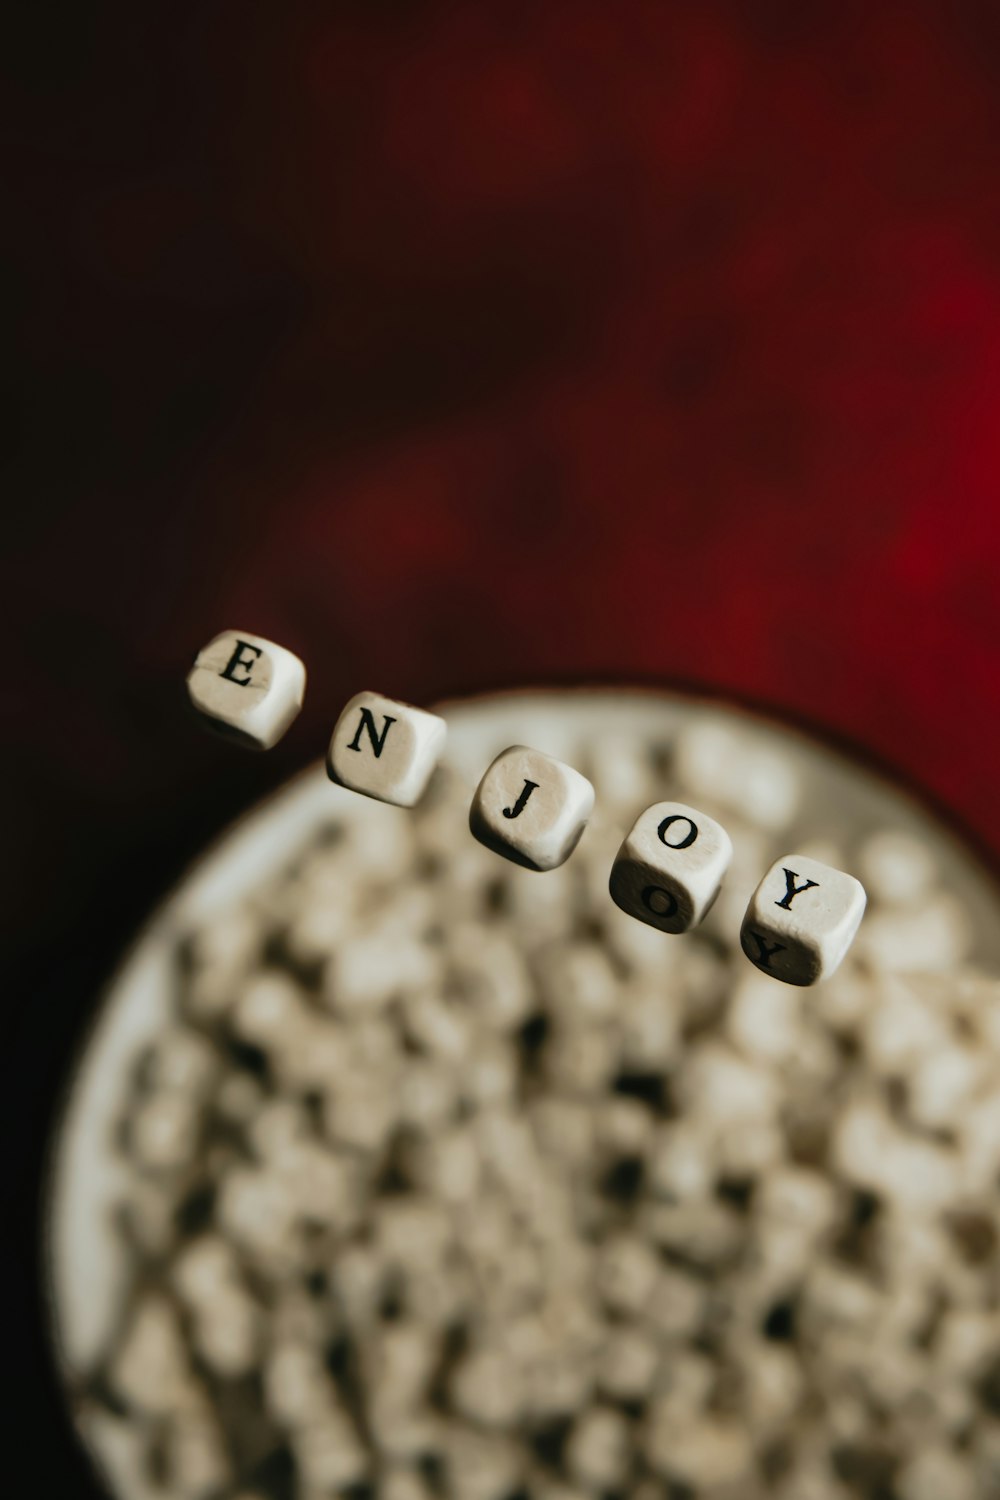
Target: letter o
670, 910
685, 843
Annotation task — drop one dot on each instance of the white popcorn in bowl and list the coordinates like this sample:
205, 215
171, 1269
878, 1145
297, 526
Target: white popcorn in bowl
428, 1178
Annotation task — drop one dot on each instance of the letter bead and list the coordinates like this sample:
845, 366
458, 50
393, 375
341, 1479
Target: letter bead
670, 867
531, 808
385, 749
247, 687
801, 919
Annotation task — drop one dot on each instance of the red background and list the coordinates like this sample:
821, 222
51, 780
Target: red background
459, 346
465, 345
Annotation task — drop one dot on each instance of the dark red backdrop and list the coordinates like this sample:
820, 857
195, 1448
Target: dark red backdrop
458, 345
464, 345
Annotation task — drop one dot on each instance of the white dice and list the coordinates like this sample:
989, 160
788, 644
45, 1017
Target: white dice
247, 687
801, 919
669, 869
385, 749
531, 808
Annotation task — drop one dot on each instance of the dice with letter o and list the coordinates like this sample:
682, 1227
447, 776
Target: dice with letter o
670, 867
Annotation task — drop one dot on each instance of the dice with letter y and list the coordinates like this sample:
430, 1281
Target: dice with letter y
385, 749
801, 919
247, 687
670, 867
531, 808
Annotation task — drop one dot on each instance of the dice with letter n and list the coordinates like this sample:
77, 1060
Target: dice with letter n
801, 919
247, 687
385, 749
670, 867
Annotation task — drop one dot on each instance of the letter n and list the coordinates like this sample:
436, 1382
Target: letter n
368, 723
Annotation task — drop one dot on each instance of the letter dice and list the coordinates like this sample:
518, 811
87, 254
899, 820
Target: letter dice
385, 749
801, 919
530, 808
669, 869
247, 687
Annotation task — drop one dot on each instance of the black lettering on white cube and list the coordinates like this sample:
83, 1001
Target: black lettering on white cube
802, 919
385, 749
247, 687
670, 867
531, 808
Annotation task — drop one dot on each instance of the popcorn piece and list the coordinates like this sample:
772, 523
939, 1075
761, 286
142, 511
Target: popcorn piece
932, 936
898, 869
627, 1273
719, 764
598, 1450
164, 1133
936, 1472
485, 1387
328, 1454
196, 1457
628, 1364
227, 1333
705, 1454
151, 1368
297, 1389
183, 1061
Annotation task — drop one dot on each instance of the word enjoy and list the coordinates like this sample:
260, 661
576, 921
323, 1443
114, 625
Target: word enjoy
533, 809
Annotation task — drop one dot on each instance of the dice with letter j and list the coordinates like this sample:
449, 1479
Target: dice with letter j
669, 869
247, 687
801, 919
531, 808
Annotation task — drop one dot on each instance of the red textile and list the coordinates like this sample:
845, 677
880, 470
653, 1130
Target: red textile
462, 346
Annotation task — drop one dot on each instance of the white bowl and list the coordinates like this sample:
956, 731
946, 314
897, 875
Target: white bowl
85, 1258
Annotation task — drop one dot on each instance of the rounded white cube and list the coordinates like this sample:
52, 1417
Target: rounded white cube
385, 749
670, 867
247, 687
531, 808
802, 919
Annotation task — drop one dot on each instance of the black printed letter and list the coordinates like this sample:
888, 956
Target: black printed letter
239, 660
685, 842
518, 808
792, 890
368, 722
670, 910
763, 954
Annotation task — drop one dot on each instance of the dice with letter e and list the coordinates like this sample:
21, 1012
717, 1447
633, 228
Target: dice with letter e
670, 867
531, 808
801, 919
247, 687
385, 749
